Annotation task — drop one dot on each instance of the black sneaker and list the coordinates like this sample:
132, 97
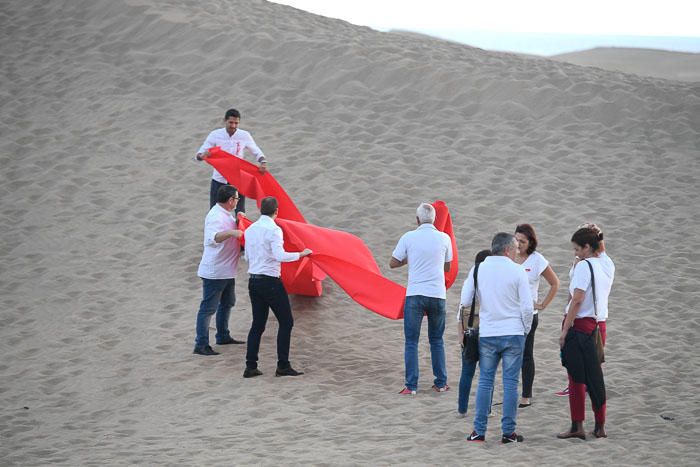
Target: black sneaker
476, 437
251, 373
206, 350
512, 438
289, 371
229, 340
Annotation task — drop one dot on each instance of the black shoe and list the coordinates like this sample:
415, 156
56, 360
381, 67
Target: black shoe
251, 373
476, 437
229, 340
522, 406
512, 438
206, 350
289, 371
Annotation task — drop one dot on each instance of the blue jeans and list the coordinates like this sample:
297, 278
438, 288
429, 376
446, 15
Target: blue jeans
414, 308
465, 387
491, 351
218, 296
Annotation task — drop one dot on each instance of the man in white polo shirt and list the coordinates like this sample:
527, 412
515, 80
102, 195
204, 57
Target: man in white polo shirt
233, 140
505, 319
218, 271
428, 253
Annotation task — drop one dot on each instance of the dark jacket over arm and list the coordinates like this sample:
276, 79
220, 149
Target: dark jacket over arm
581, 362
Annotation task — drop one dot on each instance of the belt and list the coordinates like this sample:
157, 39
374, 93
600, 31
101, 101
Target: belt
261, 276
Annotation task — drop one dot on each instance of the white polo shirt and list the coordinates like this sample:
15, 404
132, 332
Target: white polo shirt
604, 272
534, 266
234, 144
427, 250
219, 260
503, 292
264, 248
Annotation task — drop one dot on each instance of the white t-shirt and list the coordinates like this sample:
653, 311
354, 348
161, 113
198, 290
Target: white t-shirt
534, 266
504, 295
427, 250
219, 260
604, 272
235, 145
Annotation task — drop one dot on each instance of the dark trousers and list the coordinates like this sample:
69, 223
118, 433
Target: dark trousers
268, 292
529, 359
577, 391
240, 207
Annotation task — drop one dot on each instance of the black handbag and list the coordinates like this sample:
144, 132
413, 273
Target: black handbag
597, 338
470, 341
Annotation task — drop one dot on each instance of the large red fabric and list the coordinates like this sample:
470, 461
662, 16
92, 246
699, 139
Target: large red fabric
342, 256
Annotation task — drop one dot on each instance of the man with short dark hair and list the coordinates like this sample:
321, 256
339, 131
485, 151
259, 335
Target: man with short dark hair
265, 253
218, 271
505, 319
232, 140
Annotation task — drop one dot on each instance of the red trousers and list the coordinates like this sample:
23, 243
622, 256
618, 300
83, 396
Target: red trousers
577, 391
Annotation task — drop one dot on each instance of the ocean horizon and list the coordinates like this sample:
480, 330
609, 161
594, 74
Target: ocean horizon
548, 44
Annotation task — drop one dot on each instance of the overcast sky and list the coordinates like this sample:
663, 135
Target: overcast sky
594, 17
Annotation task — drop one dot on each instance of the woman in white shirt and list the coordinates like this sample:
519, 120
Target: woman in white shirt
536, 266
591, 276
609, 270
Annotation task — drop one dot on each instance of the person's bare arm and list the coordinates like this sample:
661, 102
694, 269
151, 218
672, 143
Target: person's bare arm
553, 282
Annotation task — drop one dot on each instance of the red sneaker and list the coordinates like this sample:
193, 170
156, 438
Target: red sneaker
407, 392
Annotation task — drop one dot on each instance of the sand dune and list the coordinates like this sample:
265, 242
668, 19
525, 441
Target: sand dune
646, 62
104, 104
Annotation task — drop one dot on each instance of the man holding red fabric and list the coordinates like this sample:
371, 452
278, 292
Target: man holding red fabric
265, 253
233, 140
428, 253
218, 271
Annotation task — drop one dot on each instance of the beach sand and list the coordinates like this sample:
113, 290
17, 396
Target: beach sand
104, 105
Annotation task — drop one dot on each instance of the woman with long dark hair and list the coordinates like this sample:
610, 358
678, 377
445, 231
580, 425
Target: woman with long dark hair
590, 287
536, 266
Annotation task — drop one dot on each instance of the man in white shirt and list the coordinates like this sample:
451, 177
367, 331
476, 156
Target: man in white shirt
265, 253
218, 271
504, 320
232, 140
428, 253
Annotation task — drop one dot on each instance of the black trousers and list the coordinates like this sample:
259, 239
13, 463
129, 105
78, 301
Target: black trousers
268, 293
240, 207
529, 359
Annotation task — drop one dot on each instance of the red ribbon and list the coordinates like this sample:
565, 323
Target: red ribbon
342, 256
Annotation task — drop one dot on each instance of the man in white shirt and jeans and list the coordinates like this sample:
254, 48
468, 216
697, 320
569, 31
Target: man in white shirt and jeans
218, 271
505, 319
233, 140
428, 253
265, 253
